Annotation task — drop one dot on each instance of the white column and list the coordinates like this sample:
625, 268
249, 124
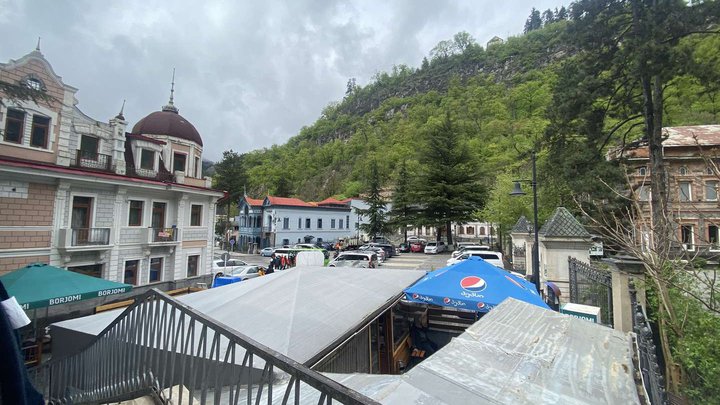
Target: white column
112, 265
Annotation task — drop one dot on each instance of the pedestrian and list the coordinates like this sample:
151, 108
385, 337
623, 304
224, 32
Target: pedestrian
277, 262
283, 262
271, 266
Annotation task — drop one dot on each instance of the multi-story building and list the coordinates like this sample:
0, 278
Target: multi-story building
129, 206
691, 158
275, 221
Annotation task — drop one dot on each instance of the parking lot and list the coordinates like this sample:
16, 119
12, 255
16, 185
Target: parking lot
409, 261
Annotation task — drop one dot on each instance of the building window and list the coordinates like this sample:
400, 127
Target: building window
39, 133
34, 84
89, 146
307, 223
684, 191
471, 230
198, 167
347, 222
713, 237
147, 159
643, 193
192, 266
461, 230
340, 224
92, 270
14, 126
319, 222
131, 272
686, 235
196, 215
332, 223
179, 162
711, 190
286, 223
683, 171
136, 213
642, 171
299, 223
156, 264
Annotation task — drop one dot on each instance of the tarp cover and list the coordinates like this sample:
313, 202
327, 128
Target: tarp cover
40, 285
516, 354
472, 284
298, 312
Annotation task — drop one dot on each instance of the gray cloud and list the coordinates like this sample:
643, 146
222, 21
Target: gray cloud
249, 74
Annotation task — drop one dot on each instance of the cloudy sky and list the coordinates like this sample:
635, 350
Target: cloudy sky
249, 74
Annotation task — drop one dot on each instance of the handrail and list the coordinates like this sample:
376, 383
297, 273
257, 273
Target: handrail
159, 343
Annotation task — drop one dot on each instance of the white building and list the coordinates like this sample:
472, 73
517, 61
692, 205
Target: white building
130, 206
276, 221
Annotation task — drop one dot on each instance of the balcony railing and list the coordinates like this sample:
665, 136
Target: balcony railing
95, 161
84, 238
159, 343
159, 235
149, 174
90, 236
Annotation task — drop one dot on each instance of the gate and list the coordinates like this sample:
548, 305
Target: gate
591, 286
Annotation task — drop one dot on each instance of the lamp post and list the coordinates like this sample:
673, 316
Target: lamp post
517, 191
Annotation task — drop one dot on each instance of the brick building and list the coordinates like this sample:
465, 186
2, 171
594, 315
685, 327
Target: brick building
691, 156
129, 206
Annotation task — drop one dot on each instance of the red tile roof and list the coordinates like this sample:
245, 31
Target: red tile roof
290, 202
254, 202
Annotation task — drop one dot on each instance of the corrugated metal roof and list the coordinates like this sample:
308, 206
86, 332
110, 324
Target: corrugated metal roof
563, 224
691, 135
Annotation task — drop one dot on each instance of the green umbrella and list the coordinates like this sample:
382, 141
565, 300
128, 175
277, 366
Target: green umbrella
40, 285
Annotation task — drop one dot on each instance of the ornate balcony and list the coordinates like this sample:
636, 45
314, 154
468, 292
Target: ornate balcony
94, 161
84, 238
163, 235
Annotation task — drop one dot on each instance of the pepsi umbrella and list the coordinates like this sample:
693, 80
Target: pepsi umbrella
472, 284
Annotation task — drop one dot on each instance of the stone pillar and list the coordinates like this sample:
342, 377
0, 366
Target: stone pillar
57, 257
179, 269
112, 265
118, 126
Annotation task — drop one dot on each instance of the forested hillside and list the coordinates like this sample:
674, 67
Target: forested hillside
554, 89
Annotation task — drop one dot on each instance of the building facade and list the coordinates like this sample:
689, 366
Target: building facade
691, 160
90, 196
277, 221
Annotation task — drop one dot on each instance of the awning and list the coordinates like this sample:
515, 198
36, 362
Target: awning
473, 284
40, 285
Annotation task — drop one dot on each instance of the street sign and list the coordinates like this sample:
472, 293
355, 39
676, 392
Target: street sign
586, 312
232, 242
225, 256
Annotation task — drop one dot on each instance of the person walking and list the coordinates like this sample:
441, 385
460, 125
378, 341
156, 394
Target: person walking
271, 266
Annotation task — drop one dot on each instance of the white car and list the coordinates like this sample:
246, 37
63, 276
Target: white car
364, 259
461, 249
244, 272
435, 247
221, 266
494, 258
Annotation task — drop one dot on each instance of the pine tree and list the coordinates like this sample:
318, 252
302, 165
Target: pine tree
403, 212
377, 224
534, 21
447, 189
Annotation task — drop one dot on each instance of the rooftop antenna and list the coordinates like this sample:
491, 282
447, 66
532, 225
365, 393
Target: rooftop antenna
120, 114
37, 47
170, 106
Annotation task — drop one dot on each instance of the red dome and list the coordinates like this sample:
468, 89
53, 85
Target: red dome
168, 123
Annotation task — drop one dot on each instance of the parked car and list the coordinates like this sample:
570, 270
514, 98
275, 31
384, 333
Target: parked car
387, 247
417, 247
435, 247
221, 266
412, 239
364, 259
494, 258
382, 256
403, 248
267, 252
245, 272
461, 249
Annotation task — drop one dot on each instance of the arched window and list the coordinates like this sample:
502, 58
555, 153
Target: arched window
470, 230
683, 171
642, 171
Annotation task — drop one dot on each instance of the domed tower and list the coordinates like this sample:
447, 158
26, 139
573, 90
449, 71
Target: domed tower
166, 145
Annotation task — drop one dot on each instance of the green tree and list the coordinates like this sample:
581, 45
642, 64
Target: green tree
404, 208
533, 22
447, 188
376, 224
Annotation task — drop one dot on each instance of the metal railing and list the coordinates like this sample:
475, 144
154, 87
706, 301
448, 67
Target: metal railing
591, 286
161, 346
651, 373
164, 234
95, 161
90, 236
149, 174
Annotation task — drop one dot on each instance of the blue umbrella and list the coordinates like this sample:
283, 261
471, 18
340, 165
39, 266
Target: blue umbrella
472, 284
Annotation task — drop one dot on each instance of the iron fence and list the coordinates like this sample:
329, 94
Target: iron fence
591, 286
163, 348
90, 236
652, 376
90, 160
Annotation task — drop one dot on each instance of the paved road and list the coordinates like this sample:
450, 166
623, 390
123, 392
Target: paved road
408, 261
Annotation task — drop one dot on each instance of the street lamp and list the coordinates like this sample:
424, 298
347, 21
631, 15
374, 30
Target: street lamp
517, 191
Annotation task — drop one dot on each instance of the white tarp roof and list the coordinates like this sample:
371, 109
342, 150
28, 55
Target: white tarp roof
299, 312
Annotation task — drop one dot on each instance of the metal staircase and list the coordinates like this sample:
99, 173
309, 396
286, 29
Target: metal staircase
159, 343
